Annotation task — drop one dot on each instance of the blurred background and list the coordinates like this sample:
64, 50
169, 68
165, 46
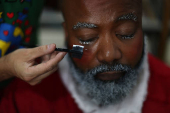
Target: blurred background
156, 26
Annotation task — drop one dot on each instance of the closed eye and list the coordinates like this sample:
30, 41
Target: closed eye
87, 42
125, 36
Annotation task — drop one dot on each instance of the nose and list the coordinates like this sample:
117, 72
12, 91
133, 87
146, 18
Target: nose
108, 51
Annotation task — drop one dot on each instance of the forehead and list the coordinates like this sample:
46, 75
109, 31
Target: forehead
99, 10
108, 5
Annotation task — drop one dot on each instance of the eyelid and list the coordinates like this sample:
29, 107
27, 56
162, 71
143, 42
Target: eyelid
88, 41
129, 36
124, 37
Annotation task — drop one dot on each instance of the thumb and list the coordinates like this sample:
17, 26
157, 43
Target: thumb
42, 50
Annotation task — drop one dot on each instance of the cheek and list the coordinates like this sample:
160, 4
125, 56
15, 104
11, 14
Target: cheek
136, 49
85, 62
86, 59
133, 52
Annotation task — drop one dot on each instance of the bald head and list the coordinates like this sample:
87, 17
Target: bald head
76, 6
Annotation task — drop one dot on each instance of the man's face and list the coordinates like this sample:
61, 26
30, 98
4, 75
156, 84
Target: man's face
109, 30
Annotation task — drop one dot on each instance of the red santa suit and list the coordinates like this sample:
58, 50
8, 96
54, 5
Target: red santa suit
58, 93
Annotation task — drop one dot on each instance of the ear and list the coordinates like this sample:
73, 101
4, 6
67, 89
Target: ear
65, 31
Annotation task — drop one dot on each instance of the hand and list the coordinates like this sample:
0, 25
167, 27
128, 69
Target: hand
22, 63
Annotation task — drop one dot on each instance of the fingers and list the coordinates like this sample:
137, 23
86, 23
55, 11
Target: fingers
48, 57
41, 51
45, 58
53, 54
38, 79
23, 63
48, 66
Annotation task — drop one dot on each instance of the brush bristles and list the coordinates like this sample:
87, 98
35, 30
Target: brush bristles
77, 51
78, 48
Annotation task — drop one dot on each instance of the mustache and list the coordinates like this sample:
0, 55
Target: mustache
106, 68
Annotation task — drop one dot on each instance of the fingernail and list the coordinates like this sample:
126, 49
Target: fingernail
49, 46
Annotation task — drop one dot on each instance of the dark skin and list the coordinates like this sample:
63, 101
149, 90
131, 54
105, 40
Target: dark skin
107, 45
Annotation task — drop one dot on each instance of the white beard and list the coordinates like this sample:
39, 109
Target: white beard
132, 103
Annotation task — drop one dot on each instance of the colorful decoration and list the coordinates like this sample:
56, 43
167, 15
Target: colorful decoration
15, 25
19, 21
10, 15
18, 31
27, 39
4, 47
1, 14
6, 33
1, 19
10, 38
28, 31
22, 16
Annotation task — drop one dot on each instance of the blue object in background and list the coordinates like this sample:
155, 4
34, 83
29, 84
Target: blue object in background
10, 38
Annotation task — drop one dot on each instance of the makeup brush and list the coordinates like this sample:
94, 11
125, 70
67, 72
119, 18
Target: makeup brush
76, 51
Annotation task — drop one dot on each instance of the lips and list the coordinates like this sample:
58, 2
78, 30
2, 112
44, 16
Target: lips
110, 76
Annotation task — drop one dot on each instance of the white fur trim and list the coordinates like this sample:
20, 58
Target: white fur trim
131, 104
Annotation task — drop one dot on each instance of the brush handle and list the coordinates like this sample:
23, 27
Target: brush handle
61, 49
56, 49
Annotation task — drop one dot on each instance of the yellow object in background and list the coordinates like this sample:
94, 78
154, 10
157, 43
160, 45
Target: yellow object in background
1, 14
4, 47
17, 32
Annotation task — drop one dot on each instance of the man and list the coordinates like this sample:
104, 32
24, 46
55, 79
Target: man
115, 74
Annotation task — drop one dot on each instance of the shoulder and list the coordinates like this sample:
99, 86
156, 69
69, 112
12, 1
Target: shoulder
159, 76
158, 93
157, 67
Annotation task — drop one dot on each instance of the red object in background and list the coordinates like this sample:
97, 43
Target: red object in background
27, 39
28, 31
13, 23
6, 33
26, 22
19, 21
10, 15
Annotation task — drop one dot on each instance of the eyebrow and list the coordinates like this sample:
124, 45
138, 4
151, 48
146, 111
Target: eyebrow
84, 25
129, 16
